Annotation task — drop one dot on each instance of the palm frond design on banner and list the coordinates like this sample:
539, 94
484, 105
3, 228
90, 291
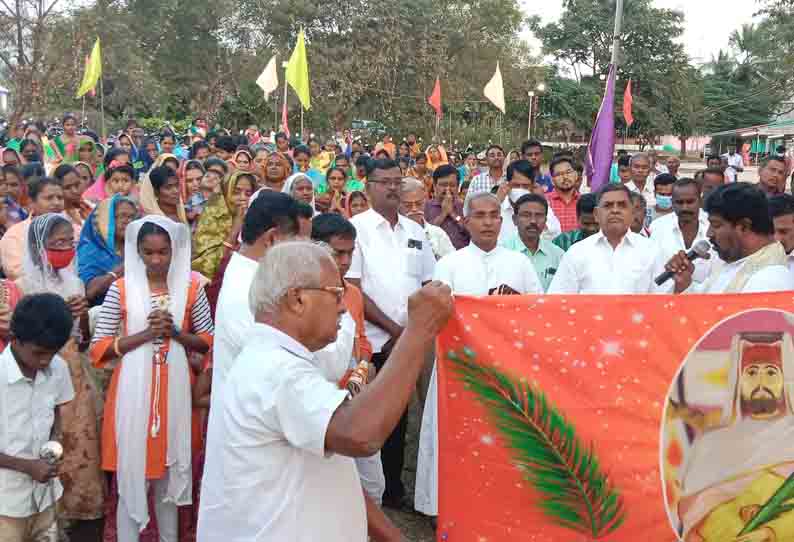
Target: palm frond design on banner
574, 492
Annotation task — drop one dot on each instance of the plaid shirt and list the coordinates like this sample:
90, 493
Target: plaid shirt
483, 183
566, 212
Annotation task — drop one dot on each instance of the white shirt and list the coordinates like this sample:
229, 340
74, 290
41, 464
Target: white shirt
392, 263
269, 477
667, 235
233, 318
592, 266
27, 414
735, 161
648, 192
509, 230
773, 278
439, 240
472, 271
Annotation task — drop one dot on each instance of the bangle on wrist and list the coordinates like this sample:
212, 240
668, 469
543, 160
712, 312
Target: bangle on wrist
228, 245
116, 347
114, 275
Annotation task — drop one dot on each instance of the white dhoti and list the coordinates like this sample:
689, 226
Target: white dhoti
426, 493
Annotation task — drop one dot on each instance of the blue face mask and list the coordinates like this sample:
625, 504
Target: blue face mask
664, 202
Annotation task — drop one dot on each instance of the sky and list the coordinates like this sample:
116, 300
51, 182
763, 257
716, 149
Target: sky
707, 23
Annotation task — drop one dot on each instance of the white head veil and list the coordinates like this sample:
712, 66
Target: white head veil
39, 276
290, 183
135, 398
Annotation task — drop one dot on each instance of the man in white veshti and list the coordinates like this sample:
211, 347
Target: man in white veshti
731, 471
479, 269
740, 230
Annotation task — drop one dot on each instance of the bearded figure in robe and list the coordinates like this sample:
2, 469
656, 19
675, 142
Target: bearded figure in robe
733, 469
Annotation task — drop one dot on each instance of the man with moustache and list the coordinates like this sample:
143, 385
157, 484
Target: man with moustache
781, 209
413, 205
734, 467
391, 260
564, 197
445, 209
740, 230
481, 268
772, 176
530, 221
685, 227
613, 261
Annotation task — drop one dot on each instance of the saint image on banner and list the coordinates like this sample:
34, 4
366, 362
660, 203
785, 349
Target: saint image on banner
728, 433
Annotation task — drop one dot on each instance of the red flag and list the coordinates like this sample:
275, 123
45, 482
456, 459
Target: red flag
435, 99
627, 103
284, 123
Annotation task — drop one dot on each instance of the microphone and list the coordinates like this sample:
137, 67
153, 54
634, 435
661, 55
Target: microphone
698, 250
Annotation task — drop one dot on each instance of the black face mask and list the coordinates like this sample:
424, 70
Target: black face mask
32, 157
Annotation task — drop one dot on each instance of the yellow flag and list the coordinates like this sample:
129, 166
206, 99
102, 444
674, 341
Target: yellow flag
93, 71
298, 72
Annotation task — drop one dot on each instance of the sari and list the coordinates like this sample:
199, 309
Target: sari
96, 250
431, 165
251, 164
82, 478
69, 149
290, 183
213, 227
151, 205
182, 174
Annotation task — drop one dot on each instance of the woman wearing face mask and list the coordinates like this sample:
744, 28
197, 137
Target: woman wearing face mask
49, 267
663, 193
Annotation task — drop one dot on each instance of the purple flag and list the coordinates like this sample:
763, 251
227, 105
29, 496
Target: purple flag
602, 140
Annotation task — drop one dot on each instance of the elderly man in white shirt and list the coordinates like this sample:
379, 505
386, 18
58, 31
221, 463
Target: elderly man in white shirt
412, 205
520, 181
680, 230
391, 260
34, 383
481, 268
612, 261
642, 178
740, 230
286, 435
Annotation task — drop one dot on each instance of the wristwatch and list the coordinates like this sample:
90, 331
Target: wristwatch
175, 331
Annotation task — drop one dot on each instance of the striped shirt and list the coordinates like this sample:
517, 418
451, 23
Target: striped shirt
110, 318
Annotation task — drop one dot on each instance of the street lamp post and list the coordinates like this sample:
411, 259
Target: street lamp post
540, 88
531, 95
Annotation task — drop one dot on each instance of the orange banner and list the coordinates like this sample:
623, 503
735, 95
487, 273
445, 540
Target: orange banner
625, 419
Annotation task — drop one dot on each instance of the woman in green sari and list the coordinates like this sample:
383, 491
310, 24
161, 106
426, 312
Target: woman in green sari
68, 143
221, 221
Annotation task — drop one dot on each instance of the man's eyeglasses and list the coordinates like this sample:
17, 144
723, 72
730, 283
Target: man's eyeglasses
389, 183
338, 291
566, 173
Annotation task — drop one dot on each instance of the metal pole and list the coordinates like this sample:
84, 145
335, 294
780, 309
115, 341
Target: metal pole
284, 105
618, 30
529, 118
102, 107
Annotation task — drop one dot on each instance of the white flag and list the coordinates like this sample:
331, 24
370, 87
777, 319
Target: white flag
495, 90
268, 81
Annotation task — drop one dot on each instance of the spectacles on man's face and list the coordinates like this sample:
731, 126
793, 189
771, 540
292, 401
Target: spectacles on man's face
566, 173
393, 182
338, 291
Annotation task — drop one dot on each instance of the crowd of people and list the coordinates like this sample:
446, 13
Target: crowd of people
224, 337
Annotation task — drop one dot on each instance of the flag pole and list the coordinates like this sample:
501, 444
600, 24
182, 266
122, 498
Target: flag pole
102, 107
303, 139
618, 30
82, 116
284, 105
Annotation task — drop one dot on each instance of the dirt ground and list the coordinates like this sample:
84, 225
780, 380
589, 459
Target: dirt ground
415, 526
